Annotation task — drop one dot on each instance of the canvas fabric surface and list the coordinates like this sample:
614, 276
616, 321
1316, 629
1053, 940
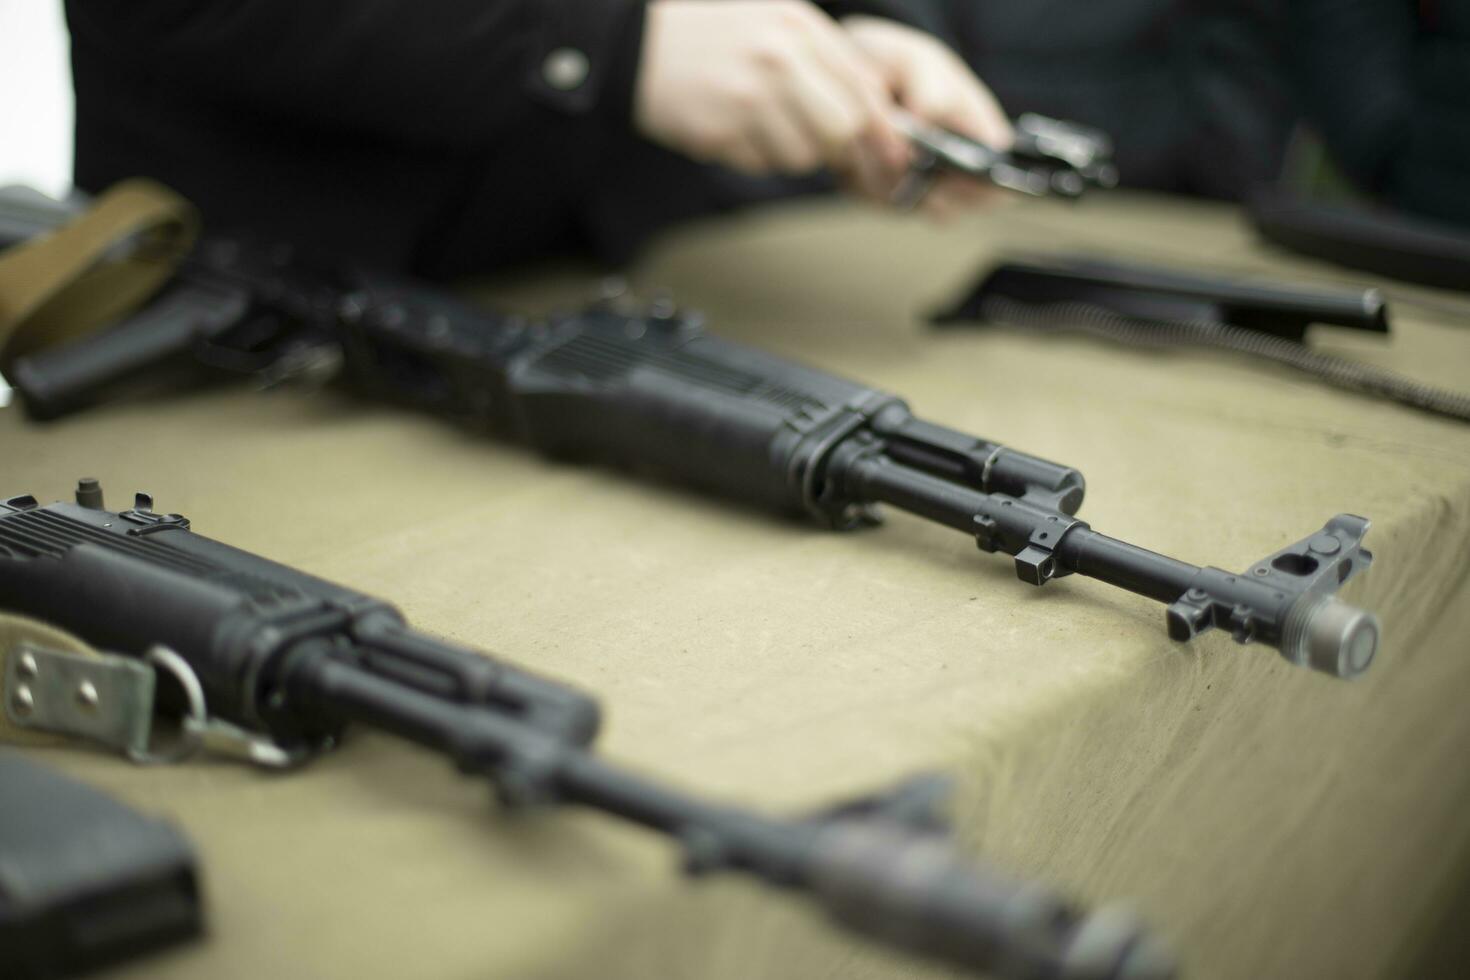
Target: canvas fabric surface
1267, 821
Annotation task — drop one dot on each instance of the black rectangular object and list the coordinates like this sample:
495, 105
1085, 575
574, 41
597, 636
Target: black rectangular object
1153, 293
85, 882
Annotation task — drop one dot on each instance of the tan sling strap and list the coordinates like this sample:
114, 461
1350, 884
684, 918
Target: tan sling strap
96, 268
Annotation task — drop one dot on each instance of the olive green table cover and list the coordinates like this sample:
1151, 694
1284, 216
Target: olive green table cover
1267, 821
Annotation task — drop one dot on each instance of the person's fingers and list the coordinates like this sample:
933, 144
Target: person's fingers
886, 60
954, 195
941, 89
932, 84
869, 178
763, 83
826, 110
784, 142
968, 192
928, 91
837, 123
979, 115
864, 83
943, 202
745, 157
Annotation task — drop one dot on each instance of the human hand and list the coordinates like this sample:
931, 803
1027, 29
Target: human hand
764, 86
928, 80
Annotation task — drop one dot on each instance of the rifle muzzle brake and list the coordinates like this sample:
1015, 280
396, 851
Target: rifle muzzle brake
1327, 634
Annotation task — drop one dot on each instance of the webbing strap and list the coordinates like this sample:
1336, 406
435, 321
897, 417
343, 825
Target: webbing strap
93, 270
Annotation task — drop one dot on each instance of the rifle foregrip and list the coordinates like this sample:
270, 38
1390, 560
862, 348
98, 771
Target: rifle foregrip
647, 392
711, 413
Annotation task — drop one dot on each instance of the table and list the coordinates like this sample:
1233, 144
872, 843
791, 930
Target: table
1267, 821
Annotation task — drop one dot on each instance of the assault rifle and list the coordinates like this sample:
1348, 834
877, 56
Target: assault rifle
653, 390
277, 654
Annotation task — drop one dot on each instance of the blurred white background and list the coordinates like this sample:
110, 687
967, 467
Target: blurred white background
35, 96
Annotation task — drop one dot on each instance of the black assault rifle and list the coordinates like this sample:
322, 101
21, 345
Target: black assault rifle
652, 389
279, 653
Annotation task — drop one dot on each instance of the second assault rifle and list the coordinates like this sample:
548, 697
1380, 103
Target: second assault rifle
277, 654
653, 390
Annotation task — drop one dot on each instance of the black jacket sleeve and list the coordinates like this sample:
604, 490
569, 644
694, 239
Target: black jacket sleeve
1387, 83
1354, 69
454, 72
927, 15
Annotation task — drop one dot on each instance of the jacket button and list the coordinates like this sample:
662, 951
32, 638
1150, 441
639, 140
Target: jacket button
565, 69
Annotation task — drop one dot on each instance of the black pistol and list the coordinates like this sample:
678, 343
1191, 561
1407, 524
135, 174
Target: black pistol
1048, 157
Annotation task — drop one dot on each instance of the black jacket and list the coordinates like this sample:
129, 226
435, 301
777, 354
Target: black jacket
1387, 82
1194, 92
437, 136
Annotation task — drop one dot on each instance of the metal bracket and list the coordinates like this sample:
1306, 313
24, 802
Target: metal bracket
106, 698
143, 515
1286, 599
1000, 528
1035, 563
1319, 563
1323, 561
109, 698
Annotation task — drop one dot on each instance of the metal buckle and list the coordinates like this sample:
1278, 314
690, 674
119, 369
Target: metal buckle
106, 698
109, 699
